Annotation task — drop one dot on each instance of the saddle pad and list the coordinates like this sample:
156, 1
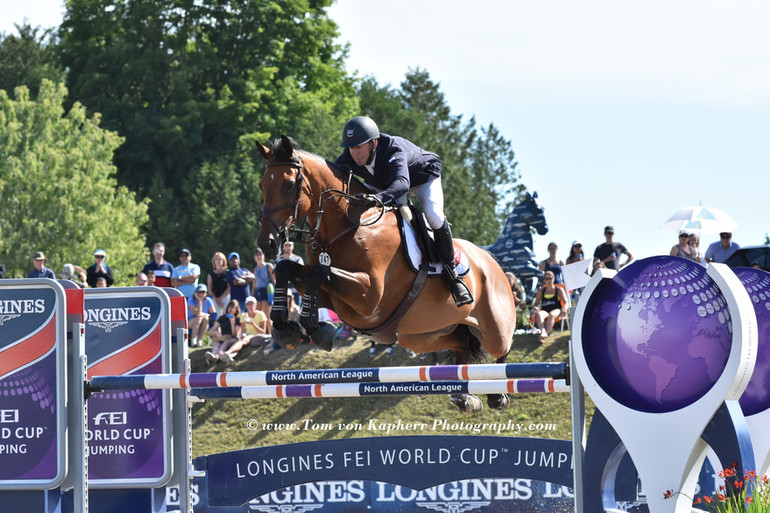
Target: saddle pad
414, 254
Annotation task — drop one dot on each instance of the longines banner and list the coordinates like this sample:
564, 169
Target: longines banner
128, 332
444, 468
32, 405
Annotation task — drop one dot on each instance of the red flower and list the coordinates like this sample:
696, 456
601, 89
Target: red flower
738, 484
750, 474
697, 501
749, 499
708, 500
721, 497
668, 494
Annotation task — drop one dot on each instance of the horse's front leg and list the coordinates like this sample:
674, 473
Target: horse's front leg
322, 334
286, 332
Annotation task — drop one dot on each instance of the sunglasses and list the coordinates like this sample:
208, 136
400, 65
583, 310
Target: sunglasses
141, 281
725, 236
577, 246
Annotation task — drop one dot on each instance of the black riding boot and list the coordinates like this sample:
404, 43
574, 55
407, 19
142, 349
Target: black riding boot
446, 253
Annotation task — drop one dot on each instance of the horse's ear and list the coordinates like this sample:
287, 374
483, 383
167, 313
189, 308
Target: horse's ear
286, 145
534, 195
263, 150
529, 196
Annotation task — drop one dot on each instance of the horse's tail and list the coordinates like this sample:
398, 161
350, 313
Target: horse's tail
476, 352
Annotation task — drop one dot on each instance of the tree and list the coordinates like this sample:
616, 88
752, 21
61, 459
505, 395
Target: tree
27, 59
58, 187
192, 85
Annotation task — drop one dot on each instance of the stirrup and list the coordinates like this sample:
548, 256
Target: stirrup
460, 293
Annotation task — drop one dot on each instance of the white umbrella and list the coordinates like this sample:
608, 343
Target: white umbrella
701, 219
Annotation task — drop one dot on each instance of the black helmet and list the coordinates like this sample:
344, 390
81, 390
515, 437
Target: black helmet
359, 130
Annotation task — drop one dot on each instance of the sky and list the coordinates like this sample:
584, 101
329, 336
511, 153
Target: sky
620, 113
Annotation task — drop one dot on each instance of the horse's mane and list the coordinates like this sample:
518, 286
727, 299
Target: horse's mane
276, 147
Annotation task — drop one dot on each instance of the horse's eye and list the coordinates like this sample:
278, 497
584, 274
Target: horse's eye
289, 186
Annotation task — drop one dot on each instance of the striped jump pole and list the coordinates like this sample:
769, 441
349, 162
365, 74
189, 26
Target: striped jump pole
497, 386
494, 371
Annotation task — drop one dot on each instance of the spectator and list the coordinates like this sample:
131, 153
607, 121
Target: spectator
287, 253
200, 308
263, 274
185, 276
254, 327
101, 282
74, 273
518, 292
141, 280
150, 277
217, 280
683, 249
99, 269
40, 270
695, 245
239, 279
552, 263
608, 254
722, 249
549, 305
575, 253
162, 269
225, 332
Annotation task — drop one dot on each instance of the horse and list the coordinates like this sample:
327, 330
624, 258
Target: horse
357, 267
513, 248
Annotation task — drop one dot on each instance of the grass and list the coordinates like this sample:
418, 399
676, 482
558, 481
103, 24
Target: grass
229, 425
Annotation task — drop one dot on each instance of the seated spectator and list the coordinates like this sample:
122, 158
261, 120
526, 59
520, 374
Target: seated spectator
254, 325
518, 292
225, 332
141, 280
150, 277
575, 253
40, 270
552, 263
74, 273
683, 249
722, 249
99, 269
101, 283
200, 309
549, 305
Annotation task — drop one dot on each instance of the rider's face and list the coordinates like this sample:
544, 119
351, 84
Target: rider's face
361, 153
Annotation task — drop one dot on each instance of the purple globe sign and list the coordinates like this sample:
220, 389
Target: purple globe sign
657, 336
756, 397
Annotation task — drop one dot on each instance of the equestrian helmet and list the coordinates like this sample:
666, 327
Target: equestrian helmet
359, 130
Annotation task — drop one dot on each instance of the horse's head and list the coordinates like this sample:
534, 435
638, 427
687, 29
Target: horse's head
283, 201
534, 214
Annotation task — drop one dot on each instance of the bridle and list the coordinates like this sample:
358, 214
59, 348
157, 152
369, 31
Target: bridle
308, 235
285, 230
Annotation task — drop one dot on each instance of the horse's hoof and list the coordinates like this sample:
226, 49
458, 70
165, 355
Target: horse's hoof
466, 403
498, 401
323, 337
288, 337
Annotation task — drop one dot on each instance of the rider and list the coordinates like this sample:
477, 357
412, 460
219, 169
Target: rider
393, 166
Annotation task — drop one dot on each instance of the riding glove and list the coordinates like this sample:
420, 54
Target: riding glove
367, 200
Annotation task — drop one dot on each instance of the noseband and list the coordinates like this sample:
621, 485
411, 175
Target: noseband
285, 230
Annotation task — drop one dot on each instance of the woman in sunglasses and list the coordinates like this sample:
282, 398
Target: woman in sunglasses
549, 305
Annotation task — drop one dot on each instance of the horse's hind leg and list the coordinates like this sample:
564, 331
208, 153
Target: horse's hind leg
498, 401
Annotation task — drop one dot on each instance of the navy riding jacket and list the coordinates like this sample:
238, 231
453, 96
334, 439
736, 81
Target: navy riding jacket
397, 166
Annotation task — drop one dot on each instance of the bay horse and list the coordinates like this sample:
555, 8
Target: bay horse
357, 267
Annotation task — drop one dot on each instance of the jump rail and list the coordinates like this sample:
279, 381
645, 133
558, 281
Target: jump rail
499, 386
434, 373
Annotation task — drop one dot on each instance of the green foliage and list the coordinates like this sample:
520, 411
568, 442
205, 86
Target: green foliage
27, 59
191, 86
58, 187
479, 167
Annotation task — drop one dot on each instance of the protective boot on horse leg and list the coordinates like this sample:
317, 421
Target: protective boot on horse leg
446, 252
